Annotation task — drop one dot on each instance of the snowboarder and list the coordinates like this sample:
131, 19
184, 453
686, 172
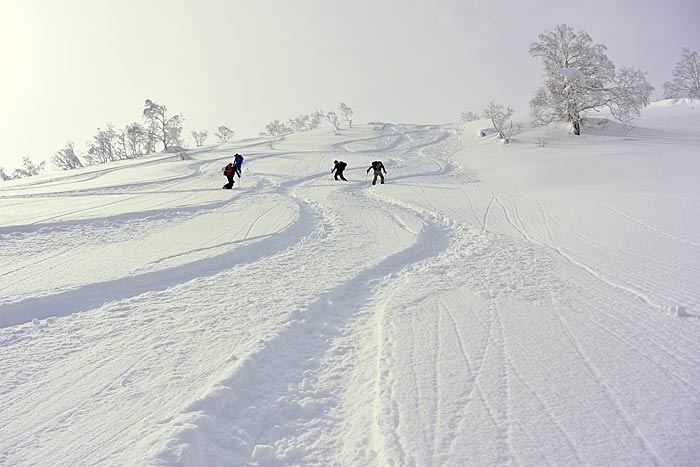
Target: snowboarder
378, 167
231, 169
338, 167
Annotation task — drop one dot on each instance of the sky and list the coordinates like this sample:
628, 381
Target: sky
71, 66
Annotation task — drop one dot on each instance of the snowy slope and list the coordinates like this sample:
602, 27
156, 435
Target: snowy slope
488, 305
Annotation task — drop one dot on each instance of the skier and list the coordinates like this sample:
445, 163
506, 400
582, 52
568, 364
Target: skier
339, 166
378, 167
238, 163
231, 169
229, 172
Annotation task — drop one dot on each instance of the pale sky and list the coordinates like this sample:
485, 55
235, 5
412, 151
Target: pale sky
70, 66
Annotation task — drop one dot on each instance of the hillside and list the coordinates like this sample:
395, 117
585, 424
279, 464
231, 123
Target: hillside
529, 304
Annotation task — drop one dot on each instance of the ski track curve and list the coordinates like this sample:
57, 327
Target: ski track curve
463, 315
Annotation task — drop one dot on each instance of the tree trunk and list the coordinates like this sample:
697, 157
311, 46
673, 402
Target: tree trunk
577, 127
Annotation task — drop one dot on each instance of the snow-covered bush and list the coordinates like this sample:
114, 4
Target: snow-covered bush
686, 77
580, 77
28, 169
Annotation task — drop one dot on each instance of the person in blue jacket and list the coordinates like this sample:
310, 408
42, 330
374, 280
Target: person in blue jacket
231, 169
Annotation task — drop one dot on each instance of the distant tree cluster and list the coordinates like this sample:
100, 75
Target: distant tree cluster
305, 122
28, 169
469, 116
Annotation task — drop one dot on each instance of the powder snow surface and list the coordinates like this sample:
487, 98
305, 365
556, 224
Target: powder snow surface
536, 303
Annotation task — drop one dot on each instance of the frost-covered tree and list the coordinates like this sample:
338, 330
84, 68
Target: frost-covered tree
103, 146
28, 169
332, 118
686, 77
276, 128
501, 120
139, 140
469, 116
299, 123
580, 77
167, 130
315, 120
224, 134
3, 175
347, 113
199, 137
66, 159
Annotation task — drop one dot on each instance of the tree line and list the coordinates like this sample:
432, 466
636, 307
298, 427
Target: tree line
160, 130
579, 77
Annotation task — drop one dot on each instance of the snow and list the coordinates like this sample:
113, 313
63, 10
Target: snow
528, 304
573, 75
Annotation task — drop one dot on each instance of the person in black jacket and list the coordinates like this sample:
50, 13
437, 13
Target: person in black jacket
378, 168
338, 167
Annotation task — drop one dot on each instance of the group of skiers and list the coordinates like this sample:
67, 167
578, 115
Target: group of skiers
231, 169
234, 168
377, 166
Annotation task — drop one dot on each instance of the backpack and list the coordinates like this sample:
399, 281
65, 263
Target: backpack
228, 169
238, 160
342, 165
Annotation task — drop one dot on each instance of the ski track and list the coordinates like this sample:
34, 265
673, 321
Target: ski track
430, 324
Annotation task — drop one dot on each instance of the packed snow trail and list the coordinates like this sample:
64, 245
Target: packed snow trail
444, 318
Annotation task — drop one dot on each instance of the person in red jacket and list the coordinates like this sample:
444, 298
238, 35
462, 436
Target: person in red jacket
229, 172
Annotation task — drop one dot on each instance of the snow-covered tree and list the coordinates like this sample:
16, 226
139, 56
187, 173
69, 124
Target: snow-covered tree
501, 120
346, 112
686, 77
139, 140
332, 118
580, 77
66, 159
224, 134
299, 123
276, 128
167, 130
469, 116
315, 120
28, 169
199, 137
103, 147
3, 175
